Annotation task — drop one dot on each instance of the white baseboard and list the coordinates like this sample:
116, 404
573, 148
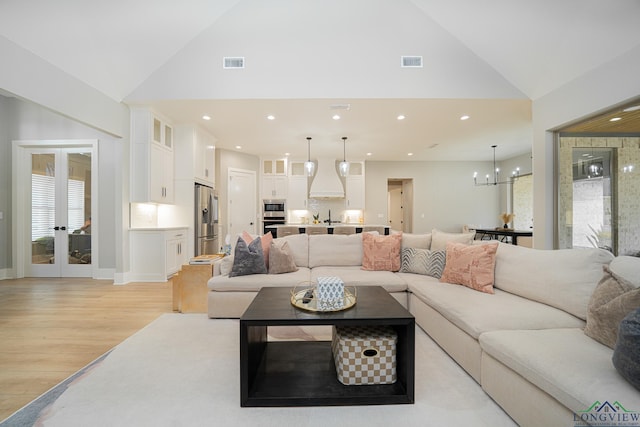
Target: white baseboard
105, 273
7, 273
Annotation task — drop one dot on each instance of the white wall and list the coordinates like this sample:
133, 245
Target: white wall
597, 90
444, 195
5, 189
30, 77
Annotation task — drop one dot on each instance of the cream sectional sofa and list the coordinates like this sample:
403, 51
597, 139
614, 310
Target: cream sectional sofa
524, 344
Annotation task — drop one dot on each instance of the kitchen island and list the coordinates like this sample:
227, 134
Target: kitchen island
331, 228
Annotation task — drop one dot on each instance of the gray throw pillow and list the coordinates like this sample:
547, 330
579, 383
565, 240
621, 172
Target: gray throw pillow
611, 301
627, 349
248, 259
423, 261
281, 259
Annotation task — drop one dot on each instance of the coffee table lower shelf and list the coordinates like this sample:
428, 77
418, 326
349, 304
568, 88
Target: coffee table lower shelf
294, 373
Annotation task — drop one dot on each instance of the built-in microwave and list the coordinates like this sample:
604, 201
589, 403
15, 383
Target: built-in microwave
273, 207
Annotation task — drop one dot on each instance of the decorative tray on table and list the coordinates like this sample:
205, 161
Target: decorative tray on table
306, 299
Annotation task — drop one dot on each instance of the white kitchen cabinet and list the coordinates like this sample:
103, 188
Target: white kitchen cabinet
195, 155
157, 254
274, 179
152, 170
298, 189
274, 187
355, 186
274, 167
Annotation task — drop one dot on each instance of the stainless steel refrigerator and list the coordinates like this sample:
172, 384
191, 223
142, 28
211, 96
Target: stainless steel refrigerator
206, 223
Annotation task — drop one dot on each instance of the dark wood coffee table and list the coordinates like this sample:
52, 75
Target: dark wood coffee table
302, 373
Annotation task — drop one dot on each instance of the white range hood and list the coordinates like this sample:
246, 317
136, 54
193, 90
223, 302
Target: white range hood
327, 183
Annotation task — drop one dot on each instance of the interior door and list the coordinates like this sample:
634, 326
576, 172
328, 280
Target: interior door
59, 219
242, 203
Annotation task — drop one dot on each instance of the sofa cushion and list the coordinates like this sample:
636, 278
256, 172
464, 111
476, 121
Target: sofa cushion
418, 241
255, 282
281, 259
381, 253
248, 258
477, 312
562, 278
612, 300
439, 239
627, 267
423, 261
355, 276
625, 353
471, 266
299, 246
335, 249
574, 369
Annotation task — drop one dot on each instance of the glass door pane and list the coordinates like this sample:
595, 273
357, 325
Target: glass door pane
79, 208
43, 204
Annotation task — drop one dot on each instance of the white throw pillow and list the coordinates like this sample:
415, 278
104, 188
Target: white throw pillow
416, 241
627, 267
439, 239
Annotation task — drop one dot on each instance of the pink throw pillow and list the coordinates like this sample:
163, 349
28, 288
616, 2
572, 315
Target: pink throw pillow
381, 253
265, 243
471, 266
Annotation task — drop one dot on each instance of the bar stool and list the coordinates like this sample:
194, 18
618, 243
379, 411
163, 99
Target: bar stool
380, 230
344, 229
287, 230
316, 230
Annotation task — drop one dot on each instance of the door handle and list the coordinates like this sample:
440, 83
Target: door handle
56, 228
63, 228
251, 223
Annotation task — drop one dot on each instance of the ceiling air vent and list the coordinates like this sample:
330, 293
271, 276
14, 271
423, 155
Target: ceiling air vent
412, 62
233, 62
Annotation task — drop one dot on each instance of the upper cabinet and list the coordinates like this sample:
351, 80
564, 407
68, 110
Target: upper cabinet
274, 179
195, 155
151, 157
274, 167
298, 190
355, 186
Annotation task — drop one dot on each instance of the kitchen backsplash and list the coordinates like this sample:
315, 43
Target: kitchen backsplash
322, 207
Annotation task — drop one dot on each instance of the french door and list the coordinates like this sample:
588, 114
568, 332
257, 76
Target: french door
58, 218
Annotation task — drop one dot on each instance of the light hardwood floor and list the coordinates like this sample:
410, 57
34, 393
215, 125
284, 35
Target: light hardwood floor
50, 328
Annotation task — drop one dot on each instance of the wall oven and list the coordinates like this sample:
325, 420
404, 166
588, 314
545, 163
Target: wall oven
274, 212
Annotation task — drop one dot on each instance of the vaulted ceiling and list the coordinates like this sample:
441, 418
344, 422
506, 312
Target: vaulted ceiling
488, 60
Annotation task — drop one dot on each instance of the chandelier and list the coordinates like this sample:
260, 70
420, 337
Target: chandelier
496, 174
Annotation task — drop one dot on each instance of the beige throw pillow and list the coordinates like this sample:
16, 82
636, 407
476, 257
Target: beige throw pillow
612, 300
281, 259
439, 239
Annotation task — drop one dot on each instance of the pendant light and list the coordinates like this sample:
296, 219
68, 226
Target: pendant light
344, 165
309, 166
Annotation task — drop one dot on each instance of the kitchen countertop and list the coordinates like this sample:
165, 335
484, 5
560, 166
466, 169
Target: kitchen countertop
334, 225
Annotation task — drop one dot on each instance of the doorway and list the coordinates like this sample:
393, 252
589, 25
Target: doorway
56, 198
400, 204
241, 202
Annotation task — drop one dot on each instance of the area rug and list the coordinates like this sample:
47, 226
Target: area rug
183, 370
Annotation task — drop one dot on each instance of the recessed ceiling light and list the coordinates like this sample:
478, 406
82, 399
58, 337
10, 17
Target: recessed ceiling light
409, 154
287, 154
238, 147
211, 147
465, 117
401, 117
615, 119
369, 154
336, 117
634, 108
205, 117
271, 117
